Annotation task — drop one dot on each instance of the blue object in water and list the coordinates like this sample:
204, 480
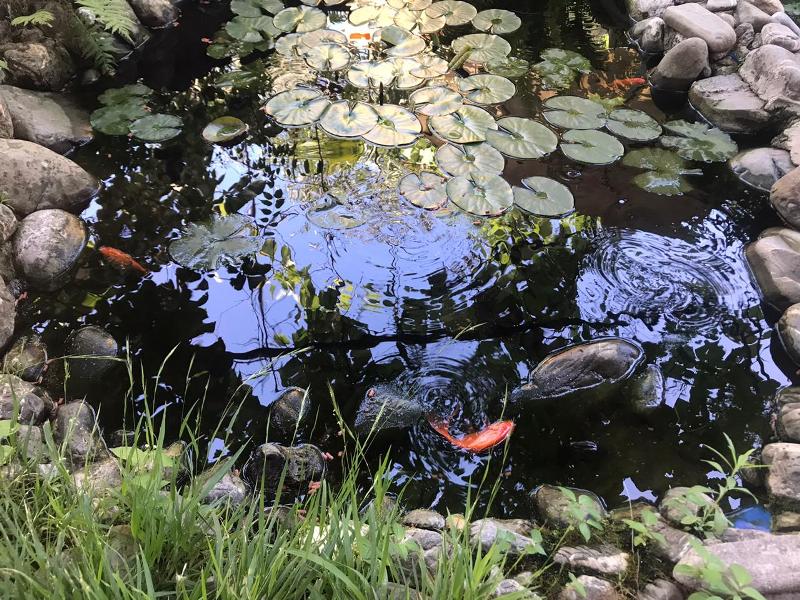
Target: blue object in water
752, 517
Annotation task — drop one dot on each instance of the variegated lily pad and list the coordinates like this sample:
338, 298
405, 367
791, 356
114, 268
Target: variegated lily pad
469, 158
544, 197
591, 147
455, 12
486, 88
300, 106
518, 137
633, 125
467, 125
434, 101
482, 48
572, 112
426, 190
346, 119
396, 127
481, 194
496, 20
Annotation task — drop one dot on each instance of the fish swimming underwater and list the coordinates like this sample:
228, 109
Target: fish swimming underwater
121, 260
479, 441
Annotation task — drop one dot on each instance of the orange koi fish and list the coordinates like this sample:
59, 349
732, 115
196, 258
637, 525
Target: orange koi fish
121, 260
628, 82
477, 442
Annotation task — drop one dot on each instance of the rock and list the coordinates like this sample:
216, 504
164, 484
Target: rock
155, 13
784, 19
768, 6
8, 314
682, 65
735, 534
594, 588
26, 359
299, 466
47, 246
650, 34
728, 18
646, 390
98, 477
51, 120
789, 332
396, 591
230, 489
679, 502
745, 35
675, 543
425, 538
32, 405
771, 561
387, 409
783, 476
424, 519
553, 505
761, 167
510, 586
773, 73
780, 35
692, 20
747, 13
456, 521
774, 260
786, 522
8, 223
39, 66
8, 273
787, 424
513, 535
30, 444
787, 395
720, 5
594, 366
600, 560
90, 353
639, 9
661, 589
67, 186
75, 430
789, 139
728, 103
785, 197
6, 124
289, 413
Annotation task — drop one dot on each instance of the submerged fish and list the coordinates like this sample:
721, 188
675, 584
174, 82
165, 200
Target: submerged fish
628, 82
120, 259
480, 441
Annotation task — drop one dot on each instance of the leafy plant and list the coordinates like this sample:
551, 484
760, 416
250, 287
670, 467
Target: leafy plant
41, 17
643, 531
718, 581
224, 240
559, 68
583, 513
664, 171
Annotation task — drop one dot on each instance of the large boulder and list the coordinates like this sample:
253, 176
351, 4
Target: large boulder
785, 197
66, 185
682, 65
47, 246
727, 102
75, 431
693, 20
761, 167
43, 66
788, 328
789, 139
768, 6
773, 73
774, 260
30, 404
155, 13
780, 35
295, 466
554, 506
51, 120
748, 13
387, 409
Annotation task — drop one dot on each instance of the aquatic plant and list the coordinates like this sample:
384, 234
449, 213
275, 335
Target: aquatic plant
125, 111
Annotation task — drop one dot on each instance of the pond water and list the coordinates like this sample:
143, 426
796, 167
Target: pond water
451, 306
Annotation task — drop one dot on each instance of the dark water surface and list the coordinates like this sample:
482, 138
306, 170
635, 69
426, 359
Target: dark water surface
457, 309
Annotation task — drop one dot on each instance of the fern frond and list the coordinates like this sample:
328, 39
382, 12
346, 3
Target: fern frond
40, 17
94, 44
114, 15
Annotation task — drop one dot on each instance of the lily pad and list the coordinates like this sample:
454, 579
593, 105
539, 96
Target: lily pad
496, 20
312, 39
300, 106
468, 124
401, 42
156, 128
435, 101
572, 112
455, 12
664, 171
137, 92
698, 141
402, 75
235, 80
116, 119
288, 45
558, 68
346, 119
430, 66
329, 213
518, 137
419, 20
426, 190
224, 129
223, 241
327, 57
378, 16
482, 48
544, 197
513, 68
486, 88
396, 127
300, 19
371, 73
591, 147
469, 158
480, 194
633, 125
252, 30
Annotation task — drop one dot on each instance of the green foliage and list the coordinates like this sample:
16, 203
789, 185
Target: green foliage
583, 513
577, 585
113, 15
41, 17
643, 530
718, 581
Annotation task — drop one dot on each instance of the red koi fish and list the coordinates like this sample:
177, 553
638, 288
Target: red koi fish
121, 260
627, 83
360, 36
477, 442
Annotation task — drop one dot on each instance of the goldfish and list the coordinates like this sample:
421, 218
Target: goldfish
477, 442
628, 82
121, 260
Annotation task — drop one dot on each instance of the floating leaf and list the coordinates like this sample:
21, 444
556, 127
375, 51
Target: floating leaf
312, 39
328, 57
156, 128
482, 47
544, 197
402, 68
300, 106
235, 79
396, 127
468, 159
559, 68
224, 129
419, 20
435, 101
633, 125
300, 19
664, 171
329, 213
252, 30
245, 8
116, 119
572, 112
513, 68
426, 190
698, 141
496, 20
371, 73
518, 137
136, 92
486, 88
346, 119
468, 124
481, 194
401, 42
378, 16
591, 147
225, 240
430, 66
455, 12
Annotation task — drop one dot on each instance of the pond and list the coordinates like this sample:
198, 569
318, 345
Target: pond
350, 286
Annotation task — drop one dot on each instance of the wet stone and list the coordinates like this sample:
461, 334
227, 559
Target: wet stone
26, 358
553, 506
646, 390
424, 519
32, 405
761, 167
594, 588
302, 464
424, 538
89, 351
513, 535
661, 589
728, 103
8, 223
75, 429
682, 65
788, 328
289, 413
785, 197
387, 409
774, 259
601, 560
783, 476
39, 66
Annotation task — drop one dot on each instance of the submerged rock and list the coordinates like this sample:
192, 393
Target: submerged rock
785, 197
789, 332
553, 506
43, 66
32, 405
297, 465
728, 103
289, 413
761, 167
774, 260
783, 476
75, 430
90, 352
387, 409
27, 358
685, 63
646, 390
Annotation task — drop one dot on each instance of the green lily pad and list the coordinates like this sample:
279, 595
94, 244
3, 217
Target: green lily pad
419, 21
426, 190
346, 119
328, 57
572, 112
245, 9
434, 101
300, 19
455, 12
371, 73
591, 147
208, 246
251, 30
480, 194
235, 80
497, 21
513, 68
430, 66
664, 171
486, 88
482, 48
376, 16
156, 128
469, 158
403, 78
633, 125
558, 68
518, 137
468, 124
698, 141
312, 39
137, 92
300, 106
116, 119
289, 44
544, 197
400, 42
396, 127
224, 129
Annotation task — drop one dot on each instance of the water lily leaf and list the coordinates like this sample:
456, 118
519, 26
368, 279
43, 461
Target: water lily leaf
156, 128
419, 20
430, 66
208, 246
289, 45
435, 101
572, 112
401, 42
468, 124
698, 141
137, 92
559, 68
633, 125
403, 77
480, 194
469, 158
486, 88
312, 39
329, 213
328, 57
482, 47
513, 68
426, 190
300, 106
496, 20
522, 138
116, 119
664, 171
345, 119
371, 73
235, 79
455, 12
591, 147
377, 16
396, 127
300, 19
224, 129
253, 30
244, 8
544, 197
569, 58
273, 7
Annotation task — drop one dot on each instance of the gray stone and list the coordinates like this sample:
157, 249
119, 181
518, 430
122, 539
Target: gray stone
512, 534
47, 246
67, 186
677, 503
650, 34
747, 13
787, 395
785, 197
8, 223
735, 534
40, 66
98, 477
784, 19
787, 424
646, 390
8, 314
783, 476
728, 103
553, 505
510, 586
720, 5
7, 271
17, 397
692, 20
90, 351
594, 588
773, 73
387, 409
6, 124
761, 167
673, 544
30, 443
786, 522
661, 589
780, 35
155, 13
75, 430
745, 34
230, 489
639, 9
774, 260
51, 120
297, 466
599, 560
768, 6
788, 328
424, 519
789, 139
289, 413
682, 65
26, 358
771, 561
425, 538
396, 591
